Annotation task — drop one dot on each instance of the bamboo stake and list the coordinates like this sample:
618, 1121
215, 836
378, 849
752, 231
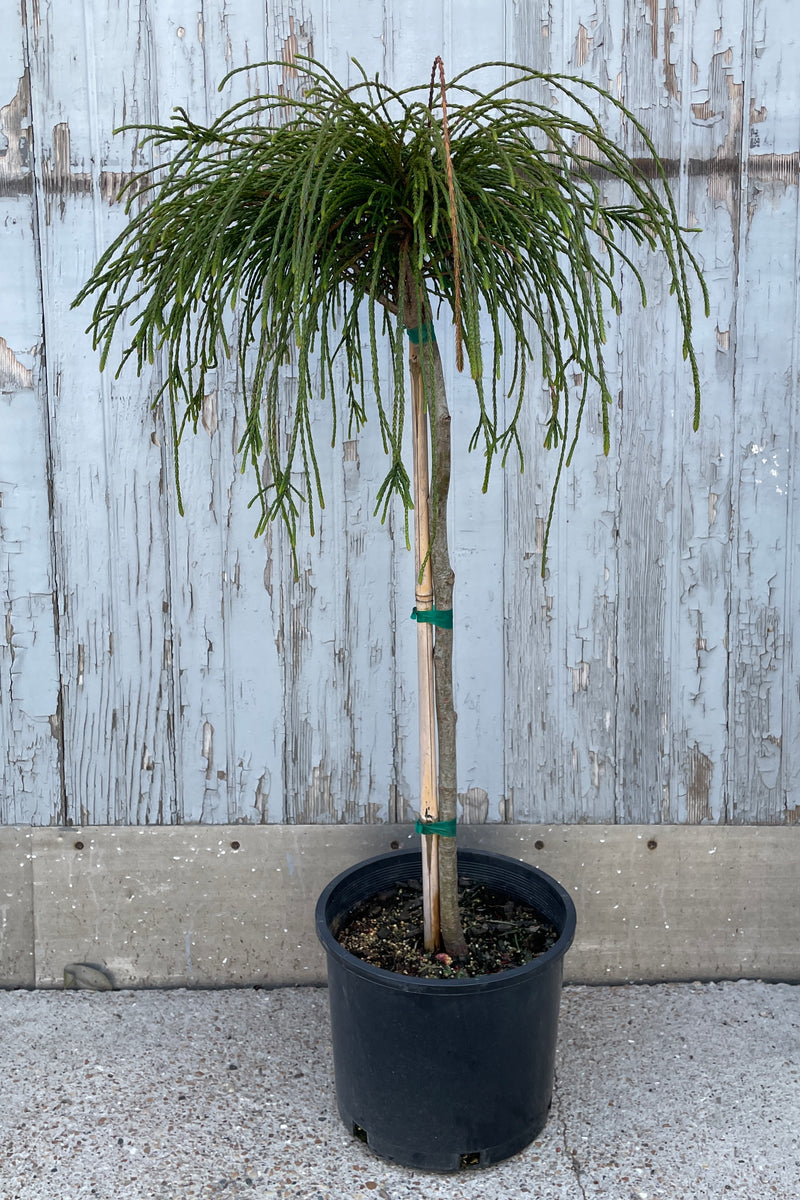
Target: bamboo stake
429, 806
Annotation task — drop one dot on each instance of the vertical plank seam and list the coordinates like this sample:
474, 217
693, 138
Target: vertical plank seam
619, 770
790, 592
223, 521
676, 808
564, 756
119, 734
173, 738
396, 806
509, 55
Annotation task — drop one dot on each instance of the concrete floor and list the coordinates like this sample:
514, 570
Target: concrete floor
667, 1092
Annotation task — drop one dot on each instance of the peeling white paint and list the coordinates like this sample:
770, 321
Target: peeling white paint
134, 639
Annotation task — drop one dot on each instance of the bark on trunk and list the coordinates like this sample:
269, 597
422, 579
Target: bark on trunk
423, 593
426, 367
443, 581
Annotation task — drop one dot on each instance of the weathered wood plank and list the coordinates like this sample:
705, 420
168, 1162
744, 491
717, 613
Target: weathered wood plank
335, 631
700, 654
30, 785
561, 631
250, 571
763, 604
711, 135
651, 677
109, 549
397, 40
221, 648
478, 520
655, 426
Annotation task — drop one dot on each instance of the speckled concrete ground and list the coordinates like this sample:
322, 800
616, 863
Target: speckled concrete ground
671, 1092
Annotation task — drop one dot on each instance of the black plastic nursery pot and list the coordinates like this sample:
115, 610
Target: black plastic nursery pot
441, 1074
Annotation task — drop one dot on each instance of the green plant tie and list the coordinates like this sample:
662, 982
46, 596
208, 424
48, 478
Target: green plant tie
427, 331
436, 828
443, 617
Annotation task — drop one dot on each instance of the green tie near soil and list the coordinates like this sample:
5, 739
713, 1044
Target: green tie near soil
436, 828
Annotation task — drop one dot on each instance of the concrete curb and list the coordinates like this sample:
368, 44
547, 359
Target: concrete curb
232, 905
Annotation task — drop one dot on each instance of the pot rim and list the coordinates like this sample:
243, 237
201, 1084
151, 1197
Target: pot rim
511, 977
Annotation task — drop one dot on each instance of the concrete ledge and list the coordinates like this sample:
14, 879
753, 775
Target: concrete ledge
217, 906
17, 967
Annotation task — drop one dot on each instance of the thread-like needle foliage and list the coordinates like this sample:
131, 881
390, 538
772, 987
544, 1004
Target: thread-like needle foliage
306, 215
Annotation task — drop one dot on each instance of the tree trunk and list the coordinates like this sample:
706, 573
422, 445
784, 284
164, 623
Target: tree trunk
430, 364
426, 701
439, 853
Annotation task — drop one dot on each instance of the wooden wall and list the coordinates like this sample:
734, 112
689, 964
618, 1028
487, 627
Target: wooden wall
155, 669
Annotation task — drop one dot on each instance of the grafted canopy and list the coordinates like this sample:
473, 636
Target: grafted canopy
305, 215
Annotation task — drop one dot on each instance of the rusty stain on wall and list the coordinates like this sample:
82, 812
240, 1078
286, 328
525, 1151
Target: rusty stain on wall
699, 773
209, 413
207, 751
289, 52
774, 168
15, 140
671, 19
299, 40
14, 377
475, 805
652, 6
261, 800
704, 112
734, 93
713, 500
583, 46
58, 176
580, 677
727, 105
319, 800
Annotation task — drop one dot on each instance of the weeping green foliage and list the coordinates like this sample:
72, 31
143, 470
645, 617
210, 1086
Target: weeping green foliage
332, 228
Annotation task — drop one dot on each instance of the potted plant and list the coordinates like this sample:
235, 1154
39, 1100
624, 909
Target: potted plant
329, 222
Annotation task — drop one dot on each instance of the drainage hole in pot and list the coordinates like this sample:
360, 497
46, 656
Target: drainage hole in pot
360, 1133
471, 1160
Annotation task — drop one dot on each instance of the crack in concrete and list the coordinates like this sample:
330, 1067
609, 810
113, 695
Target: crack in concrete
571, 1154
